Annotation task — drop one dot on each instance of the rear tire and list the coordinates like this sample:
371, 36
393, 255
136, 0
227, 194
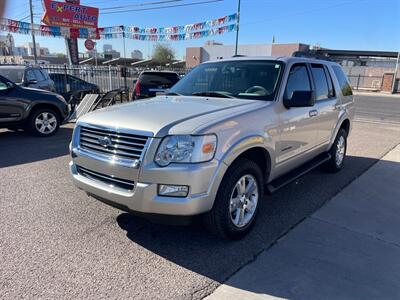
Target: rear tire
43, 122
337, 152
237, 202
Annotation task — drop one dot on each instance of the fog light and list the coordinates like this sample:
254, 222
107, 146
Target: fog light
173, 190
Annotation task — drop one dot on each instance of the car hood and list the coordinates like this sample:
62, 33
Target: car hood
162, 115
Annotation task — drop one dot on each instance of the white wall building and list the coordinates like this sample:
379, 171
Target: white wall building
137, 54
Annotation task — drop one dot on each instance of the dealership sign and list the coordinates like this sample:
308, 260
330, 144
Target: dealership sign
69, 15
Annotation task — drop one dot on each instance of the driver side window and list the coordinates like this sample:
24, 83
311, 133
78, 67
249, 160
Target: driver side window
298, 80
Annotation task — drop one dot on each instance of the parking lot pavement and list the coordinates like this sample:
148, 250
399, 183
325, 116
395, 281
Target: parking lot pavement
349, 249
55, 242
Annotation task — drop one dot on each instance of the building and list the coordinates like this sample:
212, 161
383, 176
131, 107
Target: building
213, 50
7, 44
107, 47
20, 51
137, 54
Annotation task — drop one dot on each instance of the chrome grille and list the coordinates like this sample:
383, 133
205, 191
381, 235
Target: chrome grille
117, 144
109, 180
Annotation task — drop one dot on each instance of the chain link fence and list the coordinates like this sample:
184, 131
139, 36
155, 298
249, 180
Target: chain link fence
107, 78
362, 82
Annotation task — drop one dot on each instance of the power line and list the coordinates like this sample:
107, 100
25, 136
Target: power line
141, 4
161, 7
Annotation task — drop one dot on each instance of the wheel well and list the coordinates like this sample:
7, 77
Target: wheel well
345, 125
260, 156
45, 105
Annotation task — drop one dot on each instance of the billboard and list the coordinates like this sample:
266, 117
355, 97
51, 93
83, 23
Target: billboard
69, 15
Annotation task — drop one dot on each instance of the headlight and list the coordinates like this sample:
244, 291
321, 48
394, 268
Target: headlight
186, 149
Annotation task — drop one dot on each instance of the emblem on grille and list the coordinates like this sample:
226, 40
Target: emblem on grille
105, 141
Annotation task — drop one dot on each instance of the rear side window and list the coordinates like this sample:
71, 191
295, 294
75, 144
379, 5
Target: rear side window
343, 81
159, 78
298, 80
39, 76
321, 82
15, 75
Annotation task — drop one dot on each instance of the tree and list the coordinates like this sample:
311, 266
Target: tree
163, 54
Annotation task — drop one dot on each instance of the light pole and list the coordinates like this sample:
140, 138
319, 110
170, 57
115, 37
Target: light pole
395, 73
33, 32
237, 28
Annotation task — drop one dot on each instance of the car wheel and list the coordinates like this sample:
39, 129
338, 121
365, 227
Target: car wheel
237, 201
337, 152
43, 122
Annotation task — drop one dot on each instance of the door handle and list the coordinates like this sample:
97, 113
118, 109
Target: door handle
313, 113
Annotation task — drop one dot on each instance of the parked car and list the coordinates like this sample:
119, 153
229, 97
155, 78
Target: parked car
226, 133
28, 76
73, 88
38, 111
150, 83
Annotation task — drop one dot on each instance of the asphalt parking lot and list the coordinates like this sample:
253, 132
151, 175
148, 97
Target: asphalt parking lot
55, 242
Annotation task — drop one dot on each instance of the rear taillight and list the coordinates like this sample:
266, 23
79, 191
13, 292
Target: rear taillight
137, 89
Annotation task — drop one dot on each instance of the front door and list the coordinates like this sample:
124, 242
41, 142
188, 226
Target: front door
297, 129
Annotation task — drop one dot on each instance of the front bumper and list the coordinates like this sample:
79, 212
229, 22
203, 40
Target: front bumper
203, 181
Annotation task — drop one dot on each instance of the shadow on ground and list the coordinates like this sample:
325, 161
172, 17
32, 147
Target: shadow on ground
194, 249
19, 147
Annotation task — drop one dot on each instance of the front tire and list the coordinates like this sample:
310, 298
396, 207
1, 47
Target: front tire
237, 201
337, 152
43, 122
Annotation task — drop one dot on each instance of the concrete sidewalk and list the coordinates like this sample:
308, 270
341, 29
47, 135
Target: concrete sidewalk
349, 249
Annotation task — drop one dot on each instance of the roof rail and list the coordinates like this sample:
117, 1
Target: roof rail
311, 54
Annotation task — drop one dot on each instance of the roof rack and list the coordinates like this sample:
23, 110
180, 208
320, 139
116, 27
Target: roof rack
311, 54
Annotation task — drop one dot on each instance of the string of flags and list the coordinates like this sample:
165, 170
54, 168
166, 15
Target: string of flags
175, 33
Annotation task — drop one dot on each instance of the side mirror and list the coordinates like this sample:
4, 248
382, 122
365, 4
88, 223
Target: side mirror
300, 99
10, 85
32, 81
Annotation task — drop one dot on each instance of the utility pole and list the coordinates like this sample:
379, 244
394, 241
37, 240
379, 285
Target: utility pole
395, 73
237, 28
33, 32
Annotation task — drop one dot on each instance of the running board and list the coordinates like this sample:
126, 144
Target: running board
296, 173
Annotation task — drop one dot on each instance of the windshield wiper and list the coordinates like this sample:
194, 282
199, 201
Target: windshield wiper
212, 94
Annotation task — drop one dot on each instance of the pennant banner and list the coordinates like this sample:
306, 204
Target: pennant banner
184, 28
176, 33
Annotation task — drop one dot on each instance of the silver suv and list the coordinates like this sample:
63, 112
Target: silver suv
226, 133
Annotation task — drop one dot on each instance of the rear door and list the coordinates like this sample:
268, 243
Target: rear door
326, 104
298, 130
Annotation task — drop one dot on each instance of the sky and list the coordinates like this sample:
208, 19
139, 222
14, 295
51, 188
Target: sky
335, 24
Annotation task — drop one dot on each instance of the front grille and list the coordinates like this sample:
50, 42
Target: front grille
116, 144
109, 180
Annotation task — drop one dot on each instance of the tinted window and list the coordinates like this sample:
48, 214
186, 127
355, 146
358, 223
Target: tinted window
321, 83
39, 76
246, 79
45, 74
298, 80
330, 84
15, 75
30, 75
158, 78
343, 81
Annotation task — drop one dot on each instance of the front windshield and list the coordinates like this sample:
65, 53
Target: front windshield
16, 75
246, 79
